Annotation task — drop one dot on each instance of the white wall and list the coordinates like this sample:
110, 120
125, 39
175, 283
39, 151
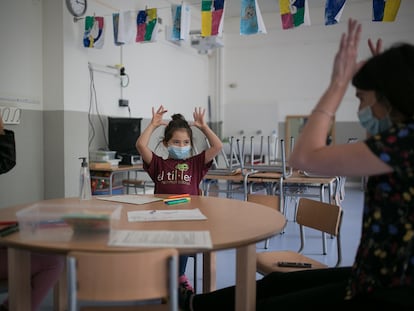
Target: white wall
160, 73
20, 52
45, 70
284, 72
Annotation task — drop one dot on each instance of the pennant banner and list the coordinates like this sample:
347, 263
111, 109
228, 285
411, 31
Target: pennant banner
333, 11
176, 18
94, 32
126, 27
115, 22
251, 21
147, 25
212, 15
385, 10
181, 17
294, 13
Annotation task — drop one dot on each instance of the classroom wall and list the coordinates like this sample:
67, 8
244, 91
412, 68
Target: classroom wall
45, 73
284, 72
21, 86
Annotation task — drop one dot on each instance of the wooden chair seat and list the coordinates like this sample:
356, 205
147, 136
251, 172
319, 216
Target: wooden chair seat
267, 261
271, 201
317, 215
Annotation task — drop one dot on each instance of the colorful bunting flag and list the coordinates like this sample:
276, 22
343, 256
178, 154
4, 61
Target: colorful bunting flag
94, 32
126, 27
147, 25
294, 13
333, 11
251, 21
212, 15
181, 21
385, 10
115, 22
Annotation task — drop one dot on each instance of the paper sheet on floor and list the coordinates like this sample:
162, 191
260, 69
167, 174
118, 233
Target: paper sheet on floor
160, 238
130, 198
166, 215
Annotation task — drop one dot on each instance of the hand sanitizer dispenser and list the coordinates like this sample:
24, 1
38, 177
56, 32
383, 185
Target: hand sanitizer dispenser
85, 181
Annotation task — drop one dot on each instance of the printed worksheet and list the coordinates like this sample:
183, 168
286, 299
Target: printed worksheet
131, 198
160, 238
166, 215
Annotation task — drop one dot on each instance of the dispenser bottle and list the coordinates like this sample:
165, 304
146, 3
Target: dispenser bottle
85, 181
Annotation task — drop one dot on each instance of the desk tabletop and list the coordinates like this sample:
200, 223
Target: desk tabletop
231, 223
296, 177
118, 168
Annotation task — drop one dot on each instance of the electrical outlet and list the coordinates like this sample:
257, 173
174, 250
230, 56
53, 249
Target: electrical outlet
123, 103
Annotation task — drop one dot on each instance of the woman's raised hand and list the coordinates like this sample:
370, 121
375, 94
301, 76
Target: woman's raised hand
345, 63
375, 49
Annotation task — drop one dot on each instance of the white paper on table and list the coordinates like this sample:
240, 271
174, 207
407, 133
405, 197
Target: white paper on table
130, 198
160, 238
166, 215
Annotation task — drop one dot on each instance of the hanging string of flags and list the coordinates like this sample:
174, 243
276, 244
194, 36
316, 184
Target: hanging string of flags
251, 21
294, 14
142, 26
385, 10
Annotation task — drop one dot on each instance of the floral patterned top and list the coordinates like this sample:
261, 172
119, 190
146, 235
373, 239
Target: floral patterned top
385, 256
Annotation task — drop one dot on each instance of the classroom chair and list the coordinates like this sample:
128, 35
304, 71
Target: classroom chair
321, 216
135, 280
271, 201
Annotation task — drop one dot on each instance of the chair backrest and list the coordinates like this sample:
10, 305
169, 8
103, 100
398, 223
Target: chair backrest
272, 201
227, 159
276, 161
319, 215
322, 216
122, 277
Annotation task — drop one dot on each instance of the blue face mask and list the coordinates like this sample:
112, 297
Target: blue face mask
179, 153
371, 123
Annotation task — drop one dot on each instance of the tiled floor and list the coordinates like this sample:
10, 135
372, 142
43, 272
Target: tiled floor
350, 232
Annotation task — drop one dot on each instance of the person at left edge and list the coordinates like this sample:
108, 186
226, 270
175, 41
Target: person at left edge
183, 170
7, 149
45, 269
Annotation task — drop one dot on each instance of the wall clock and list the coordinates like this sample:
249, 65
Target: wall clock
77, 7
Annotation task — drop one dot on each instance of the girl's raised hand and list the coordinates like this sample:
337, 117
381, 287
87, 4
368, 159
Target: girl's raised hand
198, 115
157, 116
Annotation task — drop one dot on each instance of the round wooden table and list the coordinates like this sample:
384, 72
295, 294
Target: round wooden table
233, 224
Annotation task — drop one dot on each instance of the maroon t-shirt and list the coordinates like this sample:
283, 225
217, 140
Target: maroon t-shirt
172, 176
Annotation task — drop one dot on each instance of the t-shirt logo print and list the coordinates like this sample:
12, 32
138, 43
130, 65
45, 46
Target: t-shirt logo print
177, 176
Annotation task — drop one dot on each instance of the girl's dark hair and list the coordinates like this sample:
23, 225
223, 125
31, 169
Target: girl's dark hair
178, 122
390, 74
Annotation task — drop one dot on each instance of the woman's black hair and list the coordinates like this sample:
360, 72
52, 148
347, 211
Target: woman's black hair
178, 122
390, 74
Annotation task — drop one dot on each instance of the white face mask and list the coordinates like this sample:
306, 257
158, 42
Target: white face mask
371, 123
179, 153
